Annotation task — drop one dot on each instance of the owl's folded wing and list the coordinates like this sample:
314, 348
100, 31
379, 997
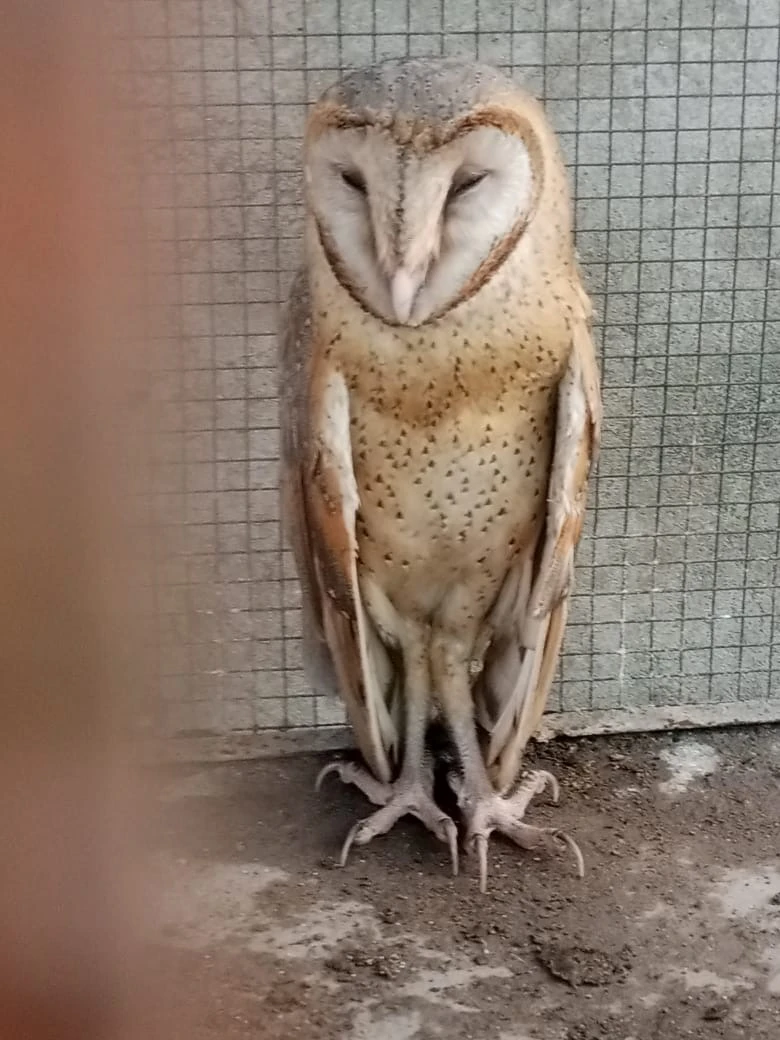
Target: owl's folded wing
342, 652
529, 617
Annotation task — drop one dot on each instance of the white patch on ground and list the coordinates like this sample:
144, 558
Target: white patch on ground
688, 760
428, 985
206, 783
746, 895
318, 932
772, 961
653, 913
428, 954
205, 904
392, 1027
650, 1000
208, 903
701, 978
627, 792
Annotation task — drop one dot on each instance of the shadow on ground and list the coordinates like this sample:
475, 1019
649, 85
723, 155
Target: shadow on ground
673, 933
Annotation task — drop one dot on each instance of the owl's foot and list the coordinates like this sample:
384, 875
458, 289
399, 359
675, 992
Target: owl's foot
486, 813
406, 797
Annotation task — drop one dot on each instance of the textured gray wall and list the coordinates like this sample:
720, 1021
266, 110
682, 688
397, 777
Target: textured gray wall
668, 115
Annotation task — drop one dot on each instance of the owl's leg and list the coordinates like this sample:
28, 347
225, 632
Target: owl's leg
412, 793
484, 809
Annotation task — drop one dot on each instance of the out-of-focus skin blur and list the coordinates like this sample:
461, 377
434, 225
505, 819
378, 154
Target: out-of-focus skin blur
71, 559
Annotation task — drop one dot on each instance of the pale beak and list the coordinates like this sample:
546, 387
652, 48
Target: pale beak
403, 289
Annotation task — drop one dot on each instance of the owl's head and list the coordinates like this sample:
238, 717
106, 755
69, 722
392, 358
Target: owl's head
420, 177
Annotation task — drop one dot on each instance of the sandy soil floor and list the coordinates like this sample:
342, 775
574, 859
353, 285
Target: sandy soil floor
673, 933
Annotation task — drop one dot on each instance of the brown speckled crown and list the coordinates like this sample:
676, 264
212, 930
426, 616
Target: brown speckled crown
431, 89
425, 102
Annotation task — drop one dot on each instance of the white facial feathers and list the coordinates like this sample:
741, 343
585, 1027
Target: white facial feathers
407, 230
490, 191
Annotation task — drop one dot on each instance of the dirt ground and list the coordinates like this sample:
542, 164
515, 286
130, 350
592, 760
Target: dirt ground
673, 933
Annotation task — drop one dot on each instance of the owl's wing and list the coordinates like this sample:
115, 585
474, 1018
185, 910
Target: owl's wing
342, 652
529, 617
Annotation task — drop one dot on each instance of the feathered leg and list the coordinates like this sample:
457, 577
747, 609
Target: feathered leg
411, 793
484, 809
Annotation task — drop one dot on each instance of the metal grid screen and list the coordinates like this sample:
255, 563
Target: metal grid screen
667, 111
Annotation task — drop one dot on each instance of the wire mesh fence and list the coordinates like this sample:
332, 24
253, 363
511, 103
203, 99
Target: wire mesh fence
668, 114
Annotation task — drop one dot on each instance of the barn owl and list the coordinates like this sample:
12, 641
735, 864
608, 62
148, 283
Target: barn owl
440, 415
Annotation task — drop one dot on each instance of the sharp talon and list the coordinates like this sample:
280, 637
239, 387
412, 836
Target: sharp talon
452, 839
331, 767
481, 843
348, 843
572, 844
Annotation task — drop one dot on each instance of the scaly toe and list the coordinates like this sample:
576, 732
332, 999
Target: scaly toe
404, 800
505, 815
352, 773
534, 783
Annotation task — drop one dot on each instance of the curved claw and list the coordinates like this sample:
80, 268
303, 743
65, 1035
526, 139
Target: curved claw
331, 767
549, 779
348, 843
569, 842
451, 838
481, 845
